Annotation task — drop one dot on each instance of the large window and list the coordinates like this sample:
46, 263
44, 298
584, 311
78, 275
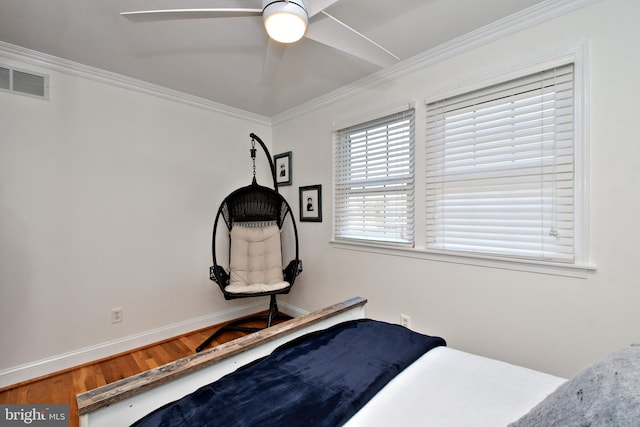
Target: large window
500, 169
374, 180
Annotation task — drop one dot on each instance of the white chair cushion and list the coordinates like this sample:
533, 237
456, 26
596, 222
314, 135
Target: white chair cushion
255, 260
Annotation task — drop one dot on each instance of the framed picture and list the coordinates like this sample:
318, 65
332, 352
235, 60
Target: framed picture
311, 203
283, 168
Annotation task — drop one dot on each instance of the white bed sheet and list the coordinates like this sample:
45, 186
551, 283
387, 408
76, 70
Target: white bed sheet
452, 388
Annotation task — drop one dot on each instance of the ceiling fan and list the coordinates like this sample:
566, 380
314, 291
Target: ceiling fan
287, 21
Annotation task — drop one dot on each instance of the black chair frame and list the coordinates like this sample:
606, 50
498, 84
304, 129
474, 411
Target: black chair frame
253, 204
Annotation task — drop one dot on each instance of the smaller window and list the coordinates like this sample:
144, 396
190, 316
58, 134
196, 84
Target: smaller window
374, 180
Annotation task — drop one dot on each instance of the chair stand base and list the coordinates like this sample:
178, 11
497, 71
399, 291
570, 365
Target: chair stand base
274, 314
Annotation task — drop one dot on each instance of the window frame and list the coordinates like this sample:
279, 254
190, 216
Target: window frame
342, 171
500, 168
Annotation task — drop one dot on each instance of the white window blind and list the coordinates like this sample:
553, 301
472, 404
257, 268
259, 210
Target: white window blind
500, 169
374, 180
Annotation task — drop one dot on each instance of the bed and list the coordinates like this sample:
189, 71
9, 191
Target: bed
398, 378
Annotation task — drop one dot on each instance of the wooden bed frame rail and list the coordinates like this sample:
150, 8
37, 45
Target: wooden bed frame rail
129, 399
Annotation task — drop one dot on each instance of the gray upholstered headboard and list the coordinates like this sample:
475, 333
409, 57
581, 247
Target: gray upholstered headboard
604, 394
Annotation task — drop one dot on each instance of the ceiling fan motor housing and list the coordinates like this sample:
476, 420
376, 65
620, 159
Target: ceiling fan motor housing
299, 3
285, 21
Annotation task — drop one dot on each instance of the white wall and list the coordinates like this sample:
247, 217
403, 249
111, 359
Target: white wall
552, 323
107, 199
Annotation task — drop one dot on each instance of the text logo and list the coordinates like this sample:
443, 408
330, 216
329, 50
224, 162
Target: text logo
34, 415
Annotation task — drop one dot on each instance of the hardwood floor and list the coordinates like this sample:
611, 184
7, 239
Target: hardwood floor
63, 386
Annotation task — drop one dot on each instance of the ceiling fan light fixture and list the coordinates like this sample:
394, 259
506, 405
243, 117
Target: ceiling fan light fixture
285, 21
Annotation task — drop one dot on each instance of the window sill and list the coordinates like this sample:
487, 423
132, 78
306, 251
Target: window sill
580, 271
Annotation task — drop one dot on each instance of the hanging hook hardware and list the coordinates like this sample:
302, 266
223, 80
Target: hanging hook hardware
253, 157
255, 138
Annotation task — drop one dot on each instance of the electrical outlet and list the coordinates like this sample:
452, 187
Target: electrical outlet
116, 315
405, 320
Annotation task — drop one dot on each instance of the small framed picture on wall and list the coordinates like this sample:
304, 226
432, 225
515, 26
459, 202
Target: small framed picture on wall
283, 168
311, 203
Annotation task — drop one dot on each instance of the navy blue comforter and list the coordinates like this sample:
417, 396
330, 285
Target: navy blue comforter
319, 379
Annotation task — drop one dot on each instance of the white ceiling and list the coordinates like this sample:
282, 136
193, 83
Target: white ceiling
220, 59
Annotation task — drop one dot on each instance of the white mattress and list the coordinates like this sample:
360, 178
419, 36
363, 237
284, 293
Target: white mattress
448, 387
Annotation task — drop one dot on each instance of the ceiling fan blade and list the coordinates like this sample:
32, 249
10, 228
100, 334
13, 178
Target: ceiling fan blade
316, 6
166, 14
330, 31
272, 58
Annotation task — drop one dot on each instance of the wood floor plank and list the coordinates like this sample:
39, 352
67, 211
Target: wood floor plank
82, 378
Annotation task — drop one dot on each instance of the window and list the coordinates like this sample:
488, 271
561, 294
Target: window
374, 180
500, 169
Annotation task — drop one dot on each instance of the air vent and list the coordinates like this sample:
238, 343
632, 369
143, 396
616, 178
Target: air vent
24, 82
5, 78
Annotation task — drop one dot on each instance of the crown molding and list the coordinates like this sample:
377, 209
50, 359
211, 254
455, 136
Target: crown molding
512, 24
54, 63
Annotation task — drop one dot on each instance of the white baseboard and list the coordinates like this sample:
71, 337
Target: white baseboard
88, 354
291, 310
